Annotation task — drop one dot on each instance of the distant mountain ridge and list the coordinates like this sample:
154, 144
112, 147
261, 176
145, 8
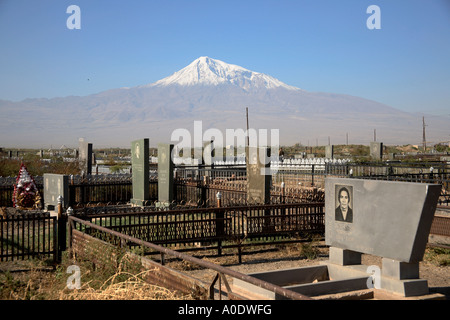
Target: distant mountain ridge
216, 93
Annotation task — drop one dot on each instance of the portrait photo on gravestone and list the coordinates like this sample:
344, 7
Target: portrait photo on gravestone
344, 197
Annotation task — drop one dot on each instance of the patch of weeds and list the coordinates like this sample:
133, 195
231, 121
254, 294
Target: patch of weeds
310, 249
32, 284
9, 286
438, 256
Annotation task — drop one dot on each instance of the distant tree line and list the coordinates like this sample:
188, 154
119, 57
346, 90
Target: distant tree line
9, 167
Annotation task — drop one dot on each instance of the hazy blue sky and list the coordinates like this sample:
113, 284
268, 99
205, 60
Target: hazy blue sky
317, 45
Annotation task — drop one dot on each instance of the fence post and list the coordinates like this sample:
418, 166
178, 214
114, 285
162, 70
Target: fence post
72, 191
176, 196
203, 188
219, 224
69, 226
283, 200
62, 229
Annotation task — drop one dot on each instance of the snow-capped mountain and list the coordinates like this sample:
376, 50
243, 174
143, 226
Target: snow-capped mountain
207, 71
218, 94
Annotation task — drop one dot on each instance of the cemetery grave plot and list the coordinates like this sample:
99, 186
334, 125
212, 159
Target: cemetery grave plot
276, 257
258, 259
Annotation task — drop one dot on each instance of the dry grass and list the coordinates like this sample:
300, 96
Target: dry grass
134, 288
123, 282
126, 283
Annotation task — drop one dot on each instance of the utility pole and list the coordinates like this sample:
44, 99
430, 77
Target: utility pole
374, 134
248, 135
424, 141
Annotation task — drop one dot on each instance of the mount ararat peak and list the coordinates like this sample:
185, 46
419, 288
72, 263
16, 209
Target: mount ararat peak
208, 71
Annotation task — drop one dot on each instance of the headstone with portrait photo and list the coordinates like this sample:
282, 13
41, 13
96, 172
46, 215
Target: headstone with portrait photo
387, 219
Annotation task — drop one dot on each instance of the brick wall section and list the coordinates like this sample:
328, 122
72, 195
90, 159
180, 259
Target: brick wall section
100, 252
440, 226
97, 251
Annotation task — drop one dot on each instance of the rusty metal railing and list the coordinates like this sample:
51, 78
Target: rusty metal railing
221, 271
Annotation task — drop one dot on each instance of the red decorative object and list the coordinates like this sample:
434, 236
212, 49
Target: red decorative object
26, 194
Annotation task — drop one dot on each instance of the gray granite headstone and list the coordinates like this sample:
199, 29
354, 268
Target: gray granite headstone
329, 152
385, 218
259, 177
376, 150
55, 185
140, 171
165, 173
85, 155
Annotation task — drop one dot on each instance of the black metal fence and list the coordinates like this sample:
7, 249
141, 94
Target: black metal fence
6, 195
198, 186
28, 235
257, 223
110, 189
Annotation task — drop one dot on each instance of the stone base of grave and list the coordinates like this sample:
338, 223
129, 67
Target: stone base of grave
397, 277
343, 277
402, 278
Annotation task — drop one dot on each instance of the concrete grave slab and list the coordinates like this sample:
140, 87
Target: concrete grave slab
310, 281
